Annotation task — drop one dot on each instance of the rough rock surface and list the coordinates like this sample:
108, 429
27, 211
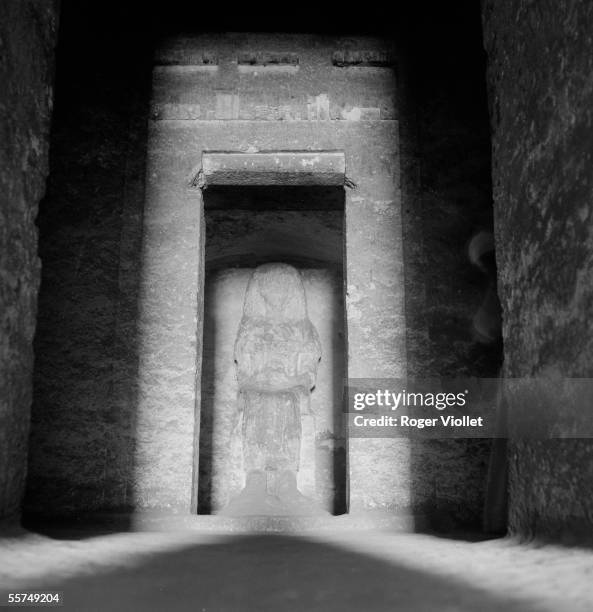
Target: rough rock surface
27, 38
540, 58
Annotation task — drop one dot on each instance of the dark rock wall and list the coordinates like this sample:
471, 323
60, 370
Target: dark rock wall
447, 199
540, 61
90, 230
28, 31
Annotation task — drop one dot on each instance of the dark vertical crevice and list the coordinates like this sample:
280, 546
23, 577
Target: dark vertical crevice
447, 199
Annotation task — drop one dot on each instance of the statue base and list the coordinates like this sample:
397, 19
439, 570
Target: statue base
271, 493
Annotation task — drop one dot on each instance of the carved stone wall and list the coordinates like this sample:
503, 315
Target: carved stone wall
321, 103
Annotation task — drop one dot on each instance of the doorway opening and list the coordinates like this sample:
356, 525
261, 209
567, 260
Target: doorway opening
247, 226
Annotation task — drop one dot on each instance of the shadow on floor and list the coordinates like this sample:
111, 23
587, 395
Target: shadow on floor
276, 573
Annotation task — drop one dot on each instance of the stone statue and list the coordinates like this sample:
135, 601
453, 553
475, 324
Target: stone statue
277, 353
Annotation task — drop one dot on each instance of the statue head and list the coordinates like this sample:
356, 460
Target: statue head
275, 291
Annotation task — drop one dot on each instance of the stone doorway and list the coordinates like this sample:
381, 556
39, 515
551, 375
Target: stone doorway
212, 152
248, 225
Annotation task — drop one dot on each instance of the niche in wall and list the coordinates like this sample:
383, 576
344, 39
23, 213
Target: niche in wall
247, 226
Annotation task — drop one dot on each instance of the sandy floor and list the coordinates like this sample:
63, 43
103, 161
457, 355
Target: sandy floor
325, 572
